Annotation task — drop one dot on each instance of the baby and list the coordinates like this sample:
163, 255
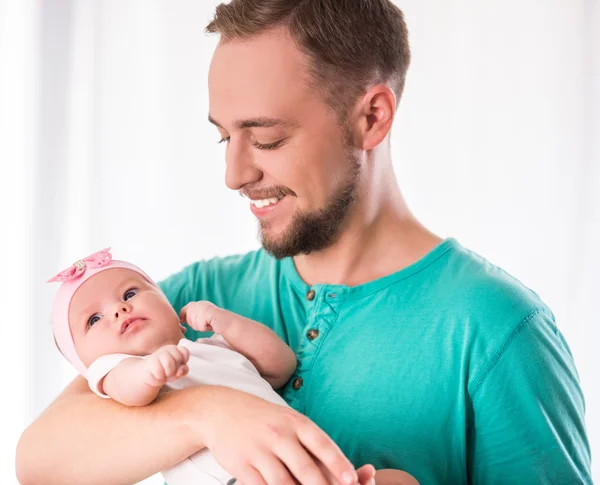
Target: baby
114, 324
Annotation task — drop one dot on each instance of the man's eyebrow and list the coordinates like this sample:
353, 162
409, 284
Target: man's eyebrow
260, 122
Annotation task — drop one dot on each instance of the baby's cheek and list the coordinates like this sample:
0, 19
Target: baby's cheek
94, 347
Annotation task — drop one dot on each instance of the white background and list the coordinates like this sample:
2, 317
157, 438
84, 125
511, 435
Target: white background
104, 142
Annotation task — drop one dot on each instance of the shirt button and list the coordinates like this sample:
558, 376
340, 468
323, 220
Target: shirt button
312, 334
297, 384
310, 296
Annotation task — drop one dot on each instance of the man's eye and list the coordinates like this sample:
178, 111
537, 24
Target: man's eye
129, 294
225, 139
93, 320
268, 146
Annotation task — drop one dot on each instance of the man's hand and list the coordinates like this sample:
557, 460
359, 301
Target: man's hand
201, 316
389, 476
261, 443
165, 364
365, 476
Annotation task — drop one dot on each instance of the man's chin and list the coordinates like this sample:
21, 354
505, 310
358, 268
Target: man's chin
276, 247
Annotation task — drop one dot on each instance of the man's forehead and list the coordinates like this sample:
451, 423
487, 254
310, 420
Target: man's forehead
258, 122
260, 77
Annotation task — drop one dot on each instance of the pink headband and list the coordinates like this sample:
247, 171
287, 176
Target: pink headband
72, 278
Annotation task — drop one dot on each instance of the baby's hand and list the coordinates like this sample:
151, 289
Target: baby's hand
201, 316
165, 364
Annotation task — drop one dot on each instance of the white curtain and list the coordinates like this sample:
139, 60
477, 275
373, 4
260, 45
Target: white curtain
104, 142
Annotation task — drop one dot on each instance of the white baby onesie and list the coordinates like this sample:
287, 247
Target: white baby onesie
212, 362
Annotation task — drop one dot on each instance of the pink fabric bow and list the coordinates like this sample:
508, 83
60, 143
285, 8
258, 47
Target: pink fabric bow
96, 260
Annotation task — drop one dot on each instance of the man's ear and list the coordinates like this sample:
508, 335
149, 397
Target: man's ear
373, 117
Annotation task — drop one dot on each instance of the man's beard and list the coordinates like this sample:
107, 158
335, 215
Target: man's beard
314, 231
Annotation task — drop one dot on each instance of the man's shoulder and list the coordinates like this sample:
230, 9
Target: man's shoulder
478, 300
253, 261
221, 280
233, 265
480, 285
486, 309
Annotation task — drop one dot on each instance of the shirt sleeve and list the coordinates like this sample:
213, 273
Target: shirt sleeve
188, 285
100, 369
181, 288
527, 424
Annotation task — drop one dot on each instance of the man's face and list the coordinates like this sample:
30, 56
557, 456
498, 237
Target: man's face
286, 150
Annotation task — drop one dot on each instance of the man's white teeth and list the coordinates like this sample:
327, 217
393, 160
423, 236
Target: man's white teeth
265, 202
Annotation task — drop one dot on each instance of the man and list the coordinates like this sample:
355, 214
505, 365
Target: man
413, 353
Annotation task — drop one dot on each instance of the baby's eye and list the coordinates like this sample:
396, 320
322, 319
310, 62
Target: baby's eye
129, 294
93, 320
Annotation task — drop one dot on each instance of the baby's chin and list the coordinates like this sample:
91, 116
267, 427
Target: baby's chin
147, 342
150, 343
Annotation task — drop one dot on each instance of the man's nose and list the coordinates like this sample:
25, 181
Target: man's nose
241, 169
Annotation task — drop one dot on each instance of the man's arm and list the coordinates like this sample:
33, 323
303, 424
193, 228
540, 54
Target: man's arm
527, 423
90, 441
274, 360
82, 439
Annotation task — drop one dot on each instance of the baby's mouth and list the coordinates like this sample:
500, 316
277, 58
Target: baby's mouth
128, 323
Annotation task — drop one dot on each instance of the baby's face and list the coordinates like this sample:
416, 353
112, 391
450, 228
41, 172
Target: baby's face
118, 311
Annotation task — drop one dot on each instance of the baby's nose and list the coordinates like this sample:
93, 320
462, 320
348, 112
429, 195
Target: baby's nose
122, 309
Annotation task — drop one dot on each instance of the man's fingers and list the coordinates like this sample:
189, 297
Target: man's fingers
299, 462
366, 474
273, 471
325, 450
250, 476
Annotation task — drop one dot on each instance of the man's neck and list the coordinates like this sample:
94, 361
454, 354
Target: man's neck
380, 237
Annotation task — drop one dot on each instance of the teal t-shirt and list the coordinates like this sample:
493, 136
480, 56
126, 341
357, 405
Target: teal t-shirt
449, 369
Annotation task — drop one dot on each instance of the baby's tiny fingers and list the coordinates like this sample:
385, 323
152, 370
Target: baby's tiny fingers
183, 314
169, 364
182, 371
157, 371
185, 353
178, 356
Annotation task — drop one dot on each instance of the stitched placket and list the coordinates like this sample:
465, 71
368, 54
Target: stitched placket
323, 303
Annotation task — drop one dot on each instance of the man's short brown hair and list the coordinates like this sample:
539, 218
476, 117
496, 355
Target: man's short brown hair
351, 44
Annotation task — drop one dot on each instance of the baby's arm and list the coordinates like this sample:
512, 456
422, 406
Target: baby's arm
270, 355
137, 382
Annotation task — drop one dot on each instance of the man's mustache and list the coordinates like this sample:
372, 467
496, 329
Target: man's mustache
267, 193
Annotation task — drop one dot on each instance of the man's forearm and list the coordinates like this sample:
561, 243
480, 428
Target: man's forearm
86, 440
